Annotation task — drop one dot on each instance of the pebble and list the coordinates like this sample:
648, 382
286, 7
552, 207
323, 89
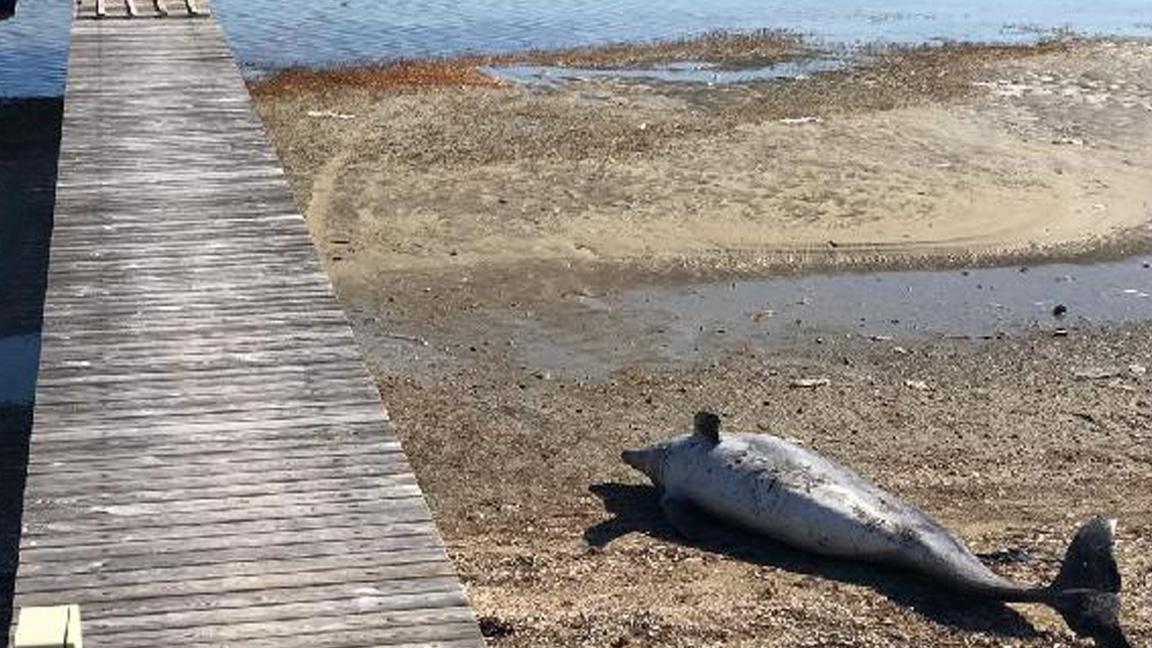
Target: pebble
809, 383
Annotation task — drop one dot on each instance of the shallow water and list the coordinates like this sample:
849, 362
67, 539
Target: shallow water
975, 303
686, 72
29, 148
19, 357
267, 34
679, 325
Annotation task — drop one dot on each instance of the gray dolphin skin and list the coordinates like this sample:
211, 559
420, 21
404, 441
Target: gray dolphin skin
793, 495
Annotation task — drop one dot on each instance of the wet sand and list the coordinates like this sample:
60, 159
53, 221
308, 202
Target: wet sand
461, 224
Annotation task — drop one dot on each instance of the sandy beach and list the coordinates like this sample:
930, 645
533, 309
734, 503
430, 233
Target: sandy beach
960, 152
460, 216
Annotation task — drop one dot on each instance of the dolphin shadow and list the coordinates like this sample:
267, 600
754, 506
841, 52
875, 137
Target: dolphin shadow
637, 510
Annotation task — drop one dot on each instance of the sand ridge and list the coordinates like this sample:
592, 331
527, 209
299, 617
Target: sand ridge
990, 164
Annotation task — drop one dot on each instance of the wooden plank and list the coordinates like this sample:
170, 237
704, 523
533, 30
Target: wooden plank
304, 624
337, 479
44, 536
194, 9
230, 541
393, 606
135, 585
210, 463
227, 558
265, 597
120, 603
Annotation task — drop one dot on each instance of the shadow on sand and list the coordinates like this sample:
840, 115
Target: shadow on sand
29, 150
637, 510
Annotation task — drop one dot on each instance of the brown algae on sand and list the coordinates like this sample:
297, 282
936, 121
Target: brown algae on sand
760, 47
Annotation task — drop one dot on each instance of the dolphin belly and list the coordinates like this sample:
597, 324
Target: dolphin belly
800, 500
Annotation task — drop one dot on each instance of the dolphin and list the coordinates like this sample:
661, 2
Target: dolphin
770, 486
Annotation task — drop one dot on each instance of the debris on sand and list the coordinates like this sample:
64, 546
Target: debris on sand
398, 74
918, 385
809, 383
801, 120
329, 114
494, 627
1096, 373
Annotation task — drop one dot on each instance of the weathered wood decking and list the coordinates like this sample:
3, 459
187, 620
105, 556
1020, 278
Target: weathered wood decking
100, 9
210, 463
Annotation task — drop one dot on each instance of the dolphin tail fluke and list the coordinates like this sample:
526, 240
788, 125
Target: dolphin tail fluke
1087, 590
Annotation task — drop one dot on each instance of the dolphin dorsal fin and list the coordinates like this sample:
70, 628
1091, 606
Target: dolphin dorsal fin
708, 426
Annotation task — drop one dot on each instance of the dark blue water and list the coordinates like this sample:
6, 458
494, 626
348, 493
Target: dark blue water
29, 148
268, 34
34, 49
271, 33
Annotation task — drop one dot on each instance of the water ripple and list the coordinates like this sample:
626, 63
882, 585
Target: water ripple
274, 33
34, 49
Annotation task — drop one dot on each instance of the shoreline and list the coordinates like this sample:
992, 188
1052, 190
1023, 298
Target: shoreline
525, 271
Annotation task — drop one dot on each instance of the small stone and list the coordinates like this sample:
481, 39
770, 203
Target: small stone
1137, 369
491, 626
1060, 310
809, 383
1096, 373
918, 385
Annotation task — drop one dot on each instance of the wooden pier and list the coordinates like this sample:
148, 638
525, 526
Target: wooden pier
210, 463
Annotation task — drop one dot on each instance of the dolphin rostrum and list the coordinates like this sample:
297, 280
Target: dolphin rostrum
794, 495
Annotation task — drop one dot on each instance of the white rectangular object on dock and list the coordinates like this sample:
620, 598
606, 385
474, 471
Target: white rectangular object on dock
57, 626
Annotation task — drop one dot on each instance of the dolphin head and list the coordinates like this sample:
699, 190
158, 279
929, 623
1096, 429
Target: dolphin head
650, 460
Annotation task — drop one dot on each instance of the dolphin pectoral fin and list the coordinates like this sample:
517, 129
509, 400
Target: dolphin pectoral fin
686, 519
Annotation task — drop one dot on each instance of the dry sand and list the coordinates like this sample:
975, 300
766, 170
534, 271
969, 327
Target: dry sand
963, 152
451, 217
